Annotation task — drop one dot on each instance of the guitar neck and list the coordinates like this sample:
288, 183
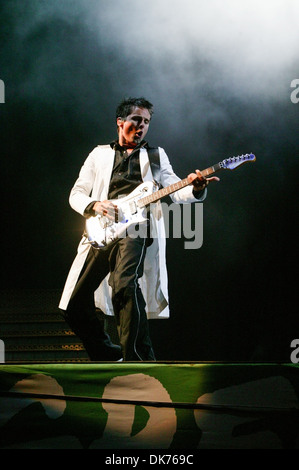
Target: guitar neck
156, 196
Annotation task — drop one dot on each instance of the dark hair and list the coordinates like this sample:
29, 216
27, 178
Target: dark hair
125, 108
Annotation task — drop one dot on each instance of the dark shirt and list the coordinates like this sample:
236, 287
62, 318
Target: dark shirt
126, 173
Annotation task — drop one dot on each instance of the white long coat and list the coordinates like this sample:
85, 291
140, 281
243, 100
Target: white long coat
93, 185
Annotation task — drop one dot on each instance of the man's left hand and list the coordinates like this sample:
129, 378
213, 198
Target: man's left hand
199, 181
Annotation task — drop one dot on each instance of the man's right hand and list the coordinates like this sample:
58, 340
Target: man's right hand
107, 209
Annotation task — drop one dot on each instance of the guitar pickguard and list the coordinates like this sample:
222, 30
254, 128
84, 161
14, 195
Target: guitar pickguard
102, 231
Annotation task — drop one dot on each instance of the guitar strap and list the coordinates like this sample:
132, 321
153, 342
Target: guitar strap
154, 159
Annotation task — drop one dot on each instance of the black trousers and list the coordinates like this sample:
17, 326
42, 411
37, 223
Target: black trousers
124, 260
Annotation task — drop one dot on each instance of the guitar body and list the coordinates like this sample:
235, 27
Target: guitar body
101, 231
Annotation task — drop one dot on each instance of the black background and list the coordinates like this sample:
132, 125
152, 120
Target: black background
219, 75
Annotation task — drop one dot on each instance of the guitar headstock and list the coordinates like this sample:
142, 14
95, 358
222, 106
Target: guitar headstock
234, 162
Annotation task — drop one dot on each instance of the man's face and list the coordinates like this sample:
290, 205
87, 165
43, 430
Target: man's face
134, 128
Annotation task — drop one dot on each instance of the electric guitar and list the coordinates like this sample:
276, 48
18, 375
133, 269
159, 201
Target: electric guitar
102, 231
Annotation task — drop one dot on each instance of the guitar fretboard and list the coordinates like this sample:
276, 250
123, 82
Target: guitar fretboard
157, 195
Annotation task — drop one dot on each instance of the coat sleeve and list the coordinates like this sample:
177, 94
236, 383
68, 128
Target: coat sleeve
80, 194
168, 177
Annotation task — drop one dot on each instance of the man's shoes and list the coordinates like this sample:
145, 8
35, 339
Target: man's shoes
109, 352
96, 341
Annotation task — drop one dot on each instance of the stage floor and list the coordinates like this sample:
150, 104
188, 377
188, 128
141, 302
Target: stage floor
149, 406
